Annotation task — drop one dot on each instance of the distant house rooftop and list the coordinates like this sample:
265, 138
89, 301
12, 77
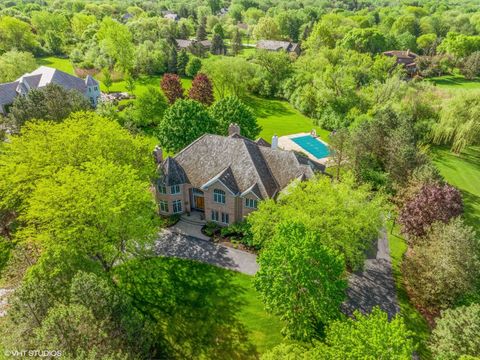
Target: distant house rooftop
171, 16
276, 45
185, 44
42, 77
405, 58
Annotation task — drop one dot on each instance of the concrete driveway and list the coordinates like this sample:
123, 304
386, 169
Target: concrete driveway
184, 246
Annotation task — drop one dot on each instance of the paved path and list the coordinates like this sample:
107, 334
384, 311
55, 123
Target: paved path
374, 285
189, 247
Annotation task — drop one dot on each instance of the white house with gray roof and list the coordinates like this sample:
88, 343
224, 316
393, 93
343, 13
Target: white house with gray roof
44, 76
225, 177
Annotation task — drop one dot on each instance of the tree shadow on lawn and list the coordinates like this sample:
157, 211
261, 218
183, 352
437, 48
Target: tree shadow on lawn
263, 108
193, 306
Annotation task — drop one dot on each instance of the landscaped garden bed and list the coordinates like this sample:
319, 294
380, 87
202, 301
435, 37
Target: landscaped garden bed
236, 236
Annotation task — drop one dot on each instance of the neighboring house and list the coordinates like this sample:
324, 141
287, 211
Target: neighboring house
44, 76
187, 44
225, 177
171, 16
274, 45
126, 17
404, 58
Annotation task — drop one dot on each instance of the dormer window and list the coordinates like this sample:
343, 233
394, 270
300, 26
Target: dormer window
162, 189
175, 189
219, 196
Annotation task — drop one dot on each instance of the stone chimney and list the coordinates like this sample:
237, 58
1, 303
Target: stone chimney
233, 129
274, 142
158, 154
408, 52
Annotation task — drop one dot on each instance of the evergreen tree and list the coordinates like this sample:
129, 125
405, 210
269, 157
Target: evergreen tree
172, 60
201, 30
193, 67
218, 47
236, 42
182, 61
183, 32
218, 29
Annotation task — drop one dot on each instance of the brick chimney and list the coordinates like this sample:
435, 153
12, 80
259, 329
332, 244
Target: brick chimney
158, 154
233, 129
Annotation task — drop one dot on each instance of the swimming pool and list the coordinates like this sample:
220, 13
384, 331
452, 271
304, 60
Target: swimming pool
312, 145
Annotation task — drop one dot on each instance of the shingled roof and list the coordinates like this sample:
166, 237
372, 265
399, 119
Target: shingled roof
275, 45
240, 164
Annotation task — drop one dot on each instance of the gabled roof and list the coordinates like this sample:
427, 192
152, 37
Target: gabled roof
239, 163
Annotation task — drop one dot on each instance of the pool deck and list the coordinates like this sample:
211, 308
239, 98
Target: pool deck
286, 143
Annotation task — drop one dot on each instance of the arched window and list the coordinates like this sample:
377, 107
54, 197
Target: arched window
219, 196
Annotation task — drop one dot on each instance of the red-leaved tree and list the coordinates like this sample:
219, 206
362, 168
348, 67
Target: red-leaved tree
434, 202
172, 87
202, 90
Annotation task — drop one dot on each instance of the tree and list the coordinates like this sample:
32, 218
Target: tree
434, 202
370, 336
267, 29
365, 40
471, 66
232, 110
459, 45
148, 109
301, 280
236, 42
230, 75
184, 122
172, 87
182, 61
427, 43
45, 148
201, 30
102, 211
443, 266
218, 47
458, 122
172, 60
129, 82
218, 30
117, 40
193, 67
277, 66
456, 333
52, 102
339, 142
107, 78
15, 63
348, 217
202, 90
15, 34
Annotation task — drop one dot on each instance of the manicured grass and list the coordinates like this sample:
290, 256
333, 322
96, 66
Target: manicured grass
281, 118
413, 319
455, 82
463, 171
264, 328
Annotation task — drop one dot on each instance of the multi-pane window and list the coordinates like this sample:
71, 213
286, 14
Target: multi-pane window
162, 189
175, 189
225, 218
214, 215
250, 203
219, 196
177, 206
163, 206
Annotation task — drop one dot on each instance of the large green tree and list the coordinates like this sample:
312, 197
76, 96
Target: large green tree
184, 122
15, 63
346, 215
117, 40
232, 110
301, 280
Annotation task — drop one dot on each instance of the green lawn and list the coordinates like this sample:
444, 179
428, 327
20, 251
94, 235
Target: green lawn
413, 319
463, 171
264, 328
455, 82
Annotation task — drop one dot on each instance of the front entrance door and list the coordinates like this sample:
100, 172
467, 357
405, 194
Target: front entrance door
198, 200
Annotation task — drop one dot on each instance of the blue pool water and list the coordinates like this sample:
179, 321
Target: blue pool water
312, 145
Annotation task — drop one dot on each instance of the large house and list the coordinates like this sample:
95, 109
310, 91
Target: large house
44, 76
188, 44
224, 177
405, 59
275, 45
